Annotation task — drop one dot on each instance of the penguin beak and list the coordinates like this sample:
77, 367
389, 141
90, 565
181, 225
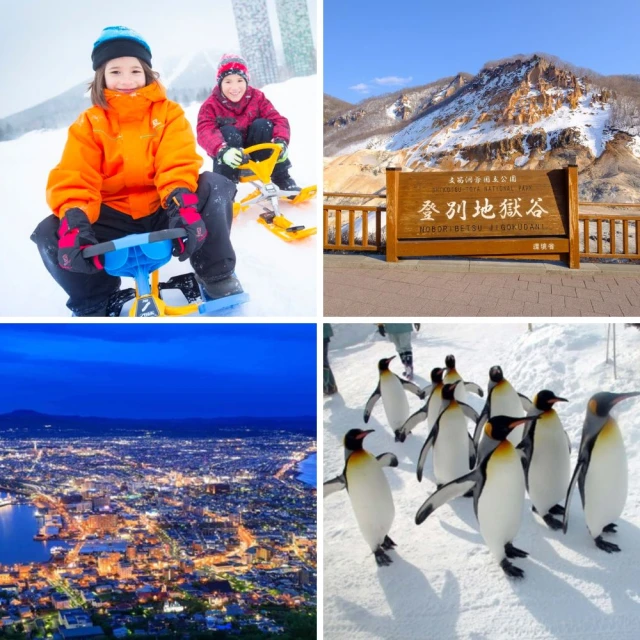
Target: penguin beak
519, 421
553, 400
364, 434
390, 359
625, 396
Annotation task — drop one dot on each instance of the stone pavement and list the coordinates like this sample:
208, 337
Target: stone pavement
365, 285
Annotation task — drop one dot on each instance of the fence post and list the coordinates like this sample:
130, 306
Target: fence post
574, 227
393, 176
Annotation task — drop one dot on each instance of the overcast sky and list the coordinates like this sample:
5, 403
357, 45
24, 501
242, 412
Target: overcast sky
45, 46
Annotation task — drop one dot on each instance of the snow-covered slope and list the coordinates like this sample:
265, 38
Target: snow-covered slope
280, 277
443, 582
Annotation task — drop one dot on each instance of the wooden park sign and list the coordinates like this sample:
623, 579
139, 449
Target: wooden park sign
511, 214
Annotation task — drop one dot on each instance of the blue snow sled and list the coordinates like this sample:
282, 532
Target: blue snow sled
141, 255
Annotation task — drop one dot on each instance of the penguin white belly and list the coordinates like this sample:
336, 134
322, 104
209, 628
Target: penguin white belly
506, 402
550, 466
605, 486
370, 497
451, 449
435, 404
394, 400
501, 499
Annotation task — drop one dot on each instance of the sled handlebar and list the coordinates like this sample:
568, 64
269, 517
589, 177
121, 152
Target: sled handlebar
133, 240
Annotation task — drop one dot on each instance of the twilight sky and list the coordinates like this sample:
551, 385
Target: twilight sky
159, 370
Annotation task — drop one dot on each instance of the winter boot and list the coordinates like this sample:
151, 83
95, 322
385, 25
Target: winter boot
230, 286
284, 181
329, 382
407, 361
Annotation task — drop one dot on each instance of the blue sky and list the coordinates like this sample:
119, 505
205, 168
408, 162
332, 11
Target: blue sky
373, 47
159, 370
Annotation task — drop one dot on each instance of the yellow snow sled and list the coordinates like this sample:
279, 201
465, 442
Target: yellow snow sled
259, 174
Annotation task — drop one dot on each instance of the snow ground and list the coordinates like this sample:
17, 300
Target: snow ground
280, 277
443, 582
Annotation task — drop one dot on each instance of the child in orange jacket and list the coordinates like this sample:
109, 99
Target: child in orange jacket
130, 166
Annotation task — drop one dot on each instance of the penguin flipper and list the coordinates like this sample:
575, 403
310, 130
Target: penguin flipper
470, 412
387, 460
449, 491
333, 486
474, 388
484, 416
525, 451
572, 484
413, 421
472, 452
412, 387
375, 396
527, 405
429, 442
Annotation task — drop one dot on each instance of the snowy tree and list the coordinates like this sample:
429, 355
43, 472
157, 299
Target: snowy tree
297, 41
256, 41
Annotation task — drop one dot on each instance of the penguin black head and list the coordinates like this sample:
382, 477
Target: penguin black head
495, 374
450, 362
383, 365
436, 375
545, 400
448, 390
499, 427
353, 439
602, 403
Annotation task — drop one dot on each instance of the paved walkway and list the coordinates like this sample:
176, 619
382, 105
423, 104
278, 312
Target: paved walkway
364, 285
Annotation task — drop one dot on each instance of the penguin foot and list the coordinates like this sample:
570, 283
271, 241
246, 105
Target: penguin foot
610, 528
511, 570
557, 510
514, 552
382, 559
388, 543
609, 547
552, 523
400, 436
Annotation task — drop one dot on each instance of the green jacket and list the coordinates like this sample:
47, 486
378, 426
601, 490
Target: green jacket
398, 327
327, 331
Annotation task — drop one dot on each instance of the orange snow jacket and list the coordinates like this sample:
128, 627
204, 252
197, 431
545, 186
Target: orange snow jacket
129, 157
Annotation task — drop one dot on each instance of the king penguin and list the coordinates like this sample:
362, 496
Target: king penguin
503, 400
601, 470
545, 450
429, 411
451, 375
453, 448
392, 390
497, 483
369, 492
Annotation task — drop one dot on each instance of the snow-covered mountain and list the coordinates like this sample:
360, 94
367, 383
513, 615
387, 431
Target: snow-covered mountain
527, 112
443, 582
187, 79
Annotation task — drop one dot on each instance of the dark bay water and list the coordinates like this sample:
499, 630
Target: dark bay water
18, 525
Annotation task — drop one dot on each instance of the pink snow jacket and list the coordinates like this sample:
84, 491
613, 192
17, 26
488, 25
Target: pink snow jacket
217, 111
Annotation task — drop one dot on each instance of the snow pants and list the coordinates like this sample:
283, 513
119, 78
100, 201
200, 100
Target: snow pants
259, 131
89, 293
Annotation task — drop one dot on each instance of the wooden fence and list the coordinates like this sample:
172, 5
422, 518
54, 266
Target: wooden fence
605, 235
368, 239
